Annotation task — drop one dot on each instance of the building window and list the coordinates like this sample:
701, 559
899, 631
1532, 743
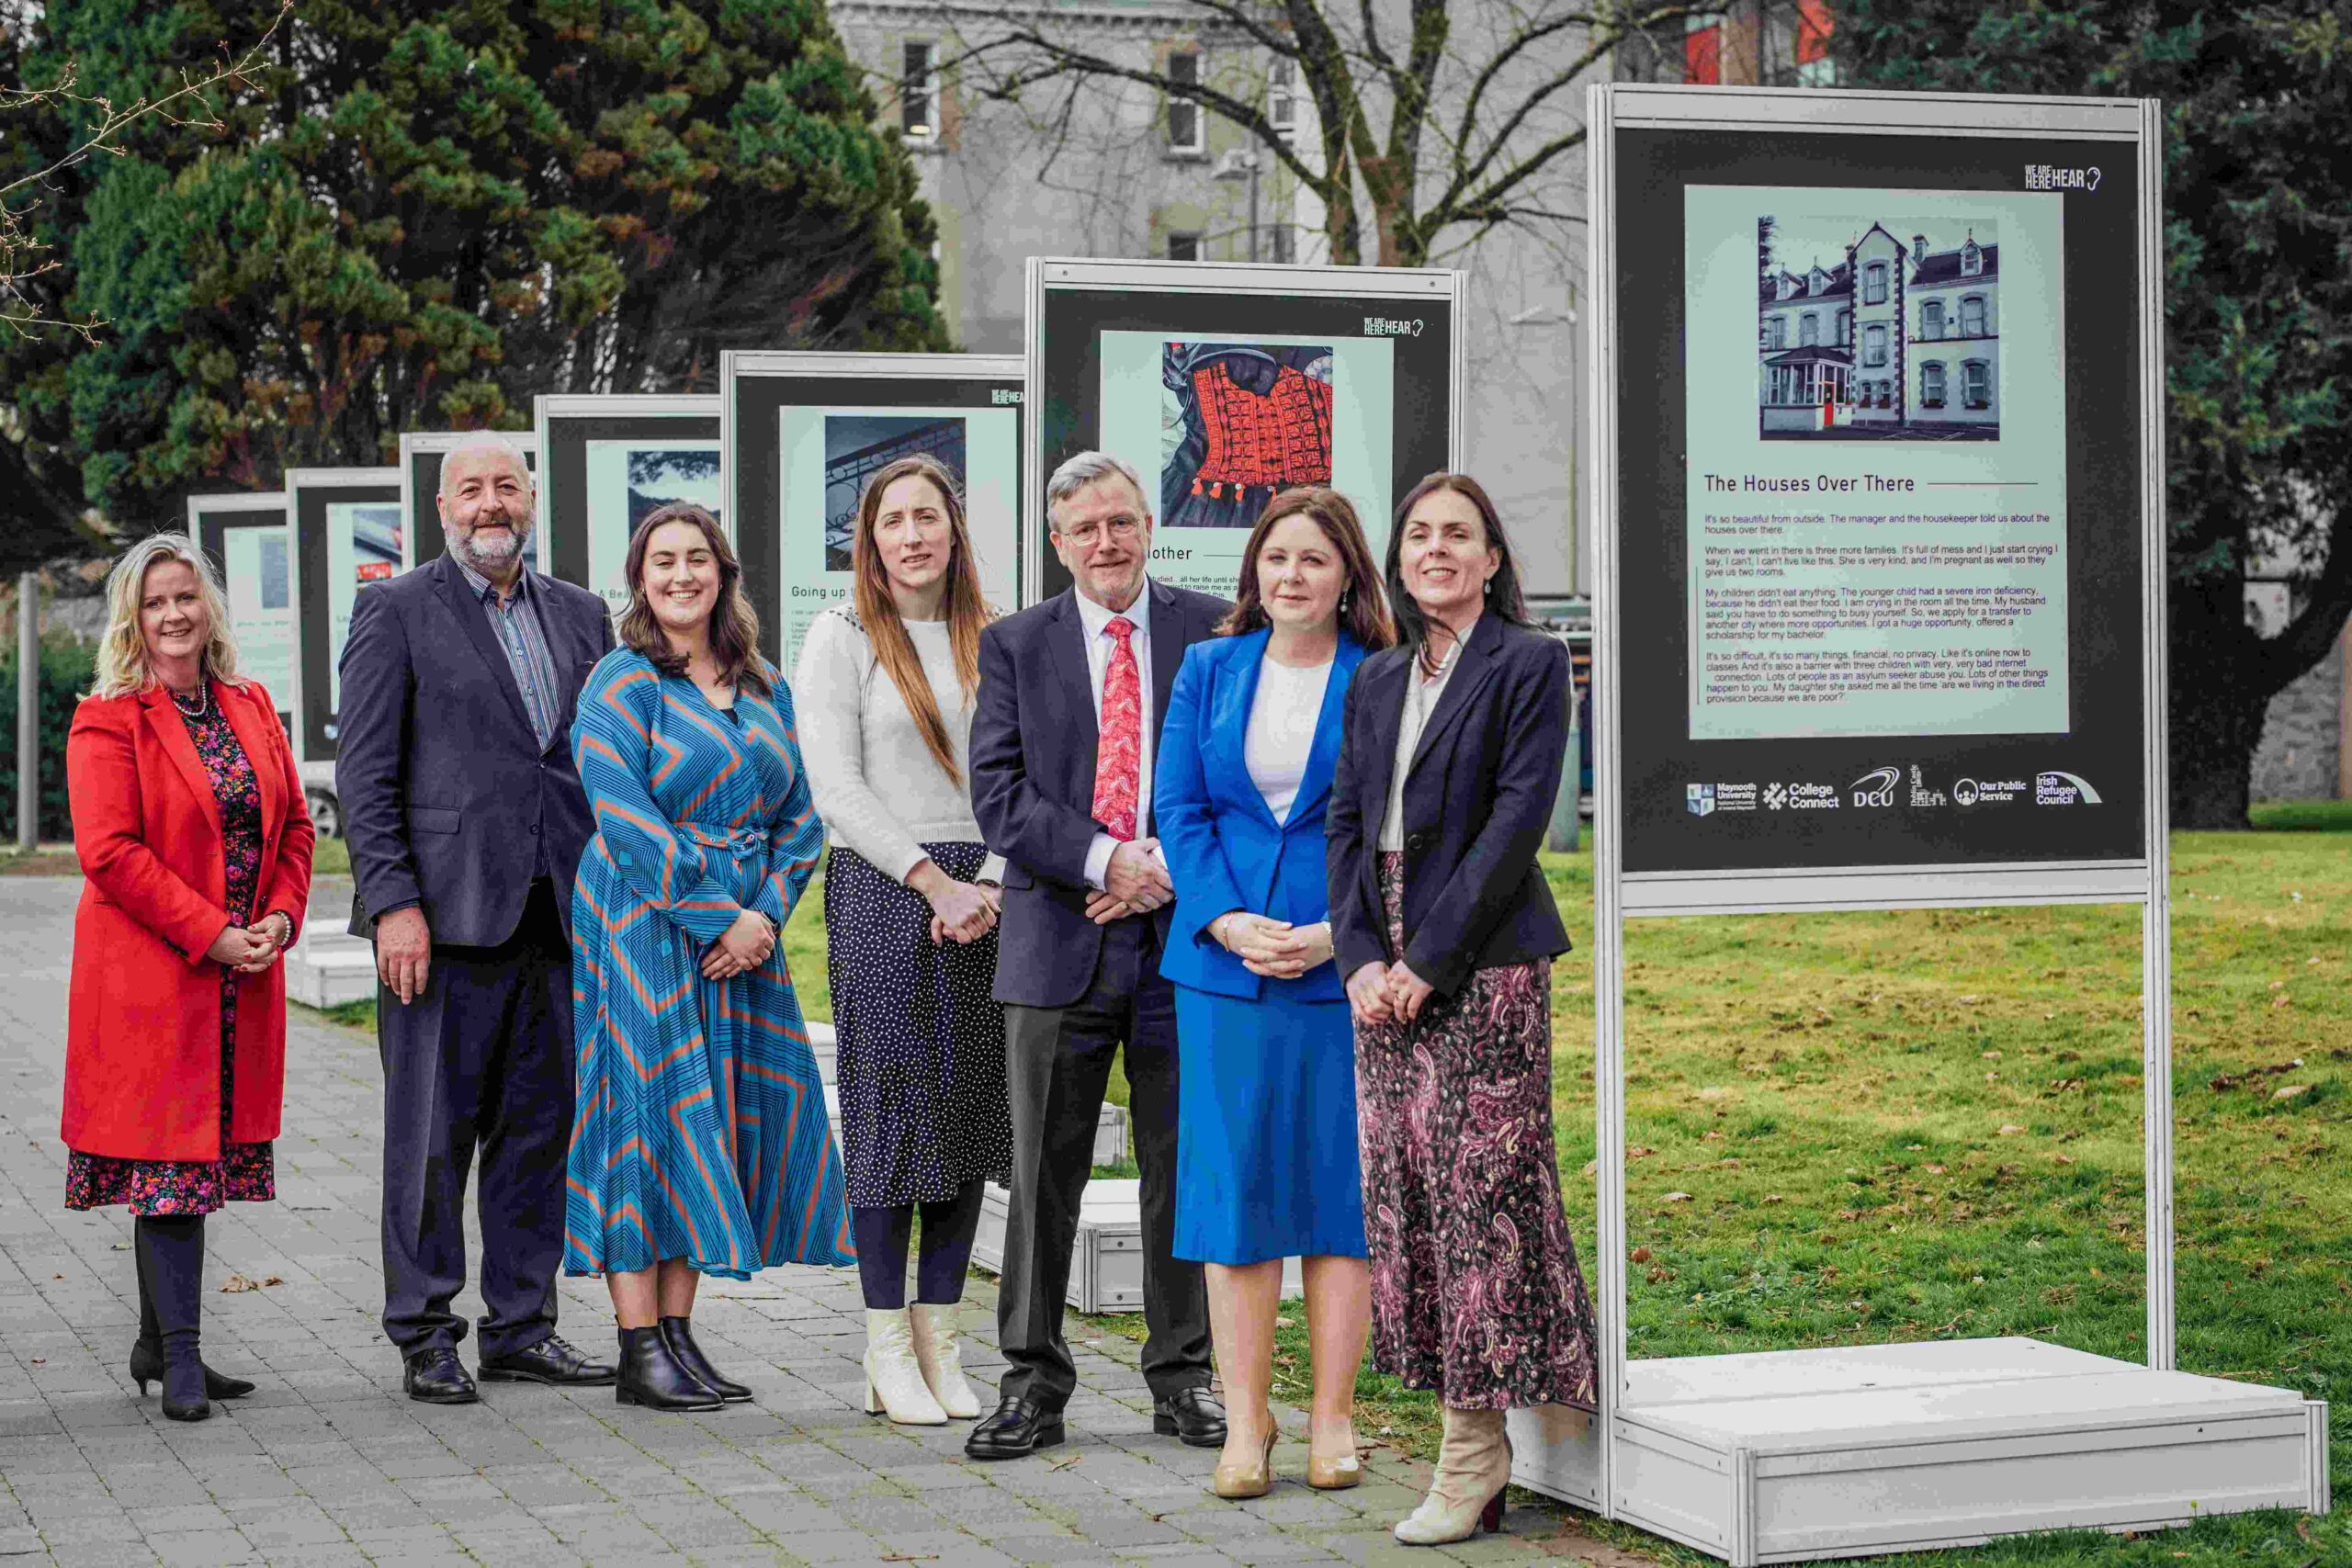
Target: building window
1183, 247
1971, 316
1976, 385
918, 93
1185, 131
1809, 330
1874, 284
1972, 259
1776, 332
1931, 385
1845, 328
1874, 345
1931, 319
1282, 95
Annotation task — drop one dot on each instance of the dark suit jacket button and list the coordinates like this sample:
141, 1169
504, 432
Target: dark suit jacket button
535, 830
1417, 841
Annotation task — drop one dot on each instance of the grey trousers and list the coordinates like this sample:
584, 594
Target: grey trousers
1058, 1062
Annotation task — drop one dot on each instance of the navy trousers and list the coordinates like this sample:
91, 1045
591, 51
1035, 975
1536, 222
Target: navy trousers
480, 1063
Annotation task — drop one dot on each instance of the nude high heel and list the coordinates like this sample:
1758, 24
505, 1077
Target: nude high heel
1466, 1493
1240, 1481
1335, 1473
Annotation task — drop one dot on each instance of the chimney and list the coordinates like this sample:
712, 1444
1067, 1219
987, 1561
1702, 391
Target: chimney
1919, 247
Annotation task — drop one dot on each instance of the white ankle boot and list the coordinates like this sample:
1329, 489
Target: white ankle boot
894, 1380
941, 1360
1466, 1492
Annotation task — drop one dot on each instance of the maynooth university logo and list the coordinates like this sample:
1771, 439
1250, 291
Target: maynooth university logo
1699, 798
1876, 787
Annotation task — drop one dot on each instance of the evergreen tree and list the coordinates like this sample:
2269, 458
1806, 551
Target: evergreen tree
426, 212
2257, 232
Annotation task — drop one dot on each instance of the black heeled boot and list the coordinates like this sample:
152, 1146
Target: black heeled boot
147, 1350
171, 1248
651, 1376
680, 1332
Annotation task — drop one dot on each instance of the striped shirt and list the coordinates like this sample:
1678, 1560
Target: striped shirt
515, 618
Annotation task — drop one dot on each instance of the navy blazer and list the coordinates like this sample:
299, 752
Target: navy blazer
446, 794
1034, 739
1225, 850
1478, 801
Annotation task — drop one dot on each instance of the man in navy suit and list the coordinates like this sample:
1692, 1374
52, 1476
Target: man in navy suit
1071, 697
466, 820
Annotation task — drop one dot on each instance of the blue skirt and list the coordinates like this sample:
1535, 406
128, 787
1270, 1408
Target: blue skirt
1266, 1163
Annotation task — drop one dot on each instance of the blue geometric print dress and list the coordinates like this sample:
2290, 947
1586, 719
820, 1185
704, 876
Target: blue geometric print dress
700, 1131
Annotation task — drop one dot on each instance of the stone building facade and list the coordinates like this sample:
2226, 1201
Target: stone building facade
2302, 756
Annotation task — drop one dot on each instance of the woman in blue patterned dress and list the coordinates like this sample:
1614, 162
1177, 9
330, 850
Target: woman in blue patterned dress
699, 1144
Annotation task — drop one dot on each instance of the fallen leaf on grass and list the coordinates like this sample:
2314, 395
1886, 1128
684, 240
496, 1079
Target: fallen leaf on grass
2281, 999
1678, 1197
2291, 1091
2009, 1130
1639, 1254
1774, 1198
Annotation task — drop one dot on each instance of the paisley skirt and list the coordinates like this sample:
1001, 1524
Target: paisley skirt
1475, 1291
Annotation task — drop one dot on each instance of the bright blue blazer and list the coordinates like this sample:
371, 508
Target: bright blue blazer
1225, 850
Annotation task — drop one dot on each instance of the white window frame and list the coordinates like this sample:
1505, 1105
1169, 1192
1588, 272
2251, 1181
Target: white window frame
927, 94
1197, 140
1982, 318
1809, 331
1282, 94
1874, 284
1845, 328
1931, 320
1934, 385
1972, 260
1874, 345
1976, 384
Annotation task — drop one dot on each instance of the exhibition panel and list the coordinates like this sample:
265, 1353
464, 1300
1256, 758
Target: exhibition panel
247, 538
420, 471
347, 534
606, 463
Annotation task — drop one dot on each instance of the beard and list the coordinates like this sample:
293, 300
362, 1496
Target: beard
497, 552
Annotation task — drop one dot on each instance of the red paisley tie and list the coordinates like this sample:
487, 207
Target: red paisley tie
1118, 757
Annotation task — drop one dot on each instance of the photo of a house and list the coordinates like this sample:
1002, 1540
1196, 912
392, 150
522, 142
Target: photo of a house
1862, 336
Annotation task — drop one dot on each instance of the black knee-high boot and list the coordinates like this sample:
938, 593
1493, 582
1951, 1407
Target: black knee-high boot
147, 1350
172, 1249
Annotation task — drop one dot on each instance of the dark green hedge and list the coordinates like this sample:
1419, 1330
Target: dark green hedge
66, 669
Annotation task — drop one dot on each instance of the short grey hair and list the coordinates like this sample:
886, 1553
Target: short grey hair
1077, 472
485, 441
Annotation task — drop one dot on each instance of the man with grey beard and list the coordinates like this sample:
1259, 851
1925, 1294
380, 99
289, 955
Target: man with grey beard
466, 821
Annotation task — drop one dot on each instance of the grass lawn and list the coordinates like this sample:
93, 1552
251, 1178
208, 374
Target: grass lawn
1859, 1128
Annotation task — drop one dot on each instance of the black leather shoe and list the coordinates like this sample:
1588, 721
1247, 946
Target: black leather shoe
678, 1333
1192, 1416
549, 1362
436, 1377
1016, 1428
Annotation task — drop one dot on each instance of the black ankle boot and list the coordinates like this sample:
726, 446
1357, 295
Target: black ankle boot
147, 1350
652, 1377
680, 1332
173, 1249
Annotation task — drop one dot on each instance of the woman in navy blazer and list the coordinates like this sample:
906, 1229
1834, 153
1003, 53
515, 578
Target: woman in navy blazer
1446, 930
1266, 1164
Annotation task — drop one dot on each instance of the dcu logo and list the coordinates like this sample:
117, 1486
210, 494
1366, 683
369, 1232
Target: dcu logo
1699, 798
1876, 787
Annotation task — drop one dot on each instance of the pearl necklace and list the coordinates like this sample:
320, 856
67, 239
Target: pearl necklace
203, 701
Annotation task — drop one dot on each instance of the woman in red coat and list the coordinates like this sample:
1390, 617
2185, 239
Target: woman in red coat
189, 822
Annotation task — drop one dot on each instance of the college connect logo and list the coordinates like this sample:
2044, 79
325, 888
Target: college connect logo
2062, 789
1876, 787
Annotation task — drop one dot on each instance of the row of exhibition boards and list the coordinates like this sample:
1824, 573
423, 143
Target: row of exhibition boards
1220, 384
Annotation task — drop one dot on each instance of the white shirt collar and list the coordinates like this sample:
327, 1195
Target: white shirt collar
1094, 616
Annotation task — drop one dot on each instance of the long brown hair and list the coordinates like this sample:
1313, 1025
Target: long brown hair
734, 625
1502, 596
1363, 614
878, 610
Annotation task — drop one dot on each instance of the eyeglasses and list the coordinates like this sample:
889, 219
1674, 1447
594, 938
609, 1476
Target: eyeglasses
1086, 536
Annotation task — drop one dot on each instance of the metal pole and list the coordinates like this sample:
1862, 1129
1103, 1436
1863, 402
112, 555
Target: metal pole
29, 712
1253, 207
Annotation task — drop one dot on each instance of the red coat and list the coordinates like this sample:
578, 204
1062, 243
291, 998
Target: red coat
143, 1054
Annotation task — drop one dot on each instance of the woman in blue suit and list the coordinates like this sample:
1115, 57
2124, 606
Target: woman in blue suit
1266, 1164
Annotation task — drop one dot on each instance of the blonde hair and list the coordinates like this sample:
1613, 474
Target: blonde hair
122, 651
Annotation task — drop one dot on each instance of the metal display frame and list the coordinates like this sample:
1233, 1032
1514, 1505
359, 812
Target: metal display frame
298, 480
763, 574
1049, 275
417, 509
549, 409
1619, 895
198, 507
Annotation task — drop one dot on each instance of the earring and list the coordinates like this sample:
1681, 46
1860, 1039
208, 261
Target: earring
1490, 585
1345, 594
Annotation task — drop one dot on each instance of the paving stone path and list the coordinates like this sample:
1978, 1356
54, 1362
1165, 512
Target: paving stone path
327, 1464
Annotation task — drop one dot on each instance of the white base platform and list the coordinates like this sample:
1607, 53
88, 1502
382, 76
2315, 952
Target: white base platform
326, 970
1794, 1455
1106, 1266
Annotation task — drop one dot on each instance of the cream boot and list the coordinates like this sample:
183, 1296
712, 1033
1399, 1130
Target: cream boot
1466, 1493
942, 1361
893, 1379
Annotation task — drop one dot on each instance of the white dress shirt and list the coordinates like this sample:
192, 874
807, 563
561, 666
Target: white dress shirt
1422, 695
1281, 736
1095, 618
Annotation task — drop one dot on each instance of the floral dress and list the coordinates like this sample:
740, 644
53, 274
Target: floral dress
247, 1173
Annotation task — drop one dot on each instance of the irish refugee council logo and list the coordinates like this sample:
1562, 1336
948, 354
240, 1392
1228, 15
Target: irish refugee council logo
1699, 798
2062, 789
1876, 787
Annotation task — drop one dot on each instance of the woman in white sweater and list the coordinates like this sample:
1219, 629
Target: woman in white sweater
885, 688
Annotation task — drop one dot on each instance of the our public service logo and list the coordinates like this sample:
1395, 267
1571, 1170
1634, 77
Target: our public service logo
1876, 787
2062, 789
1699, 799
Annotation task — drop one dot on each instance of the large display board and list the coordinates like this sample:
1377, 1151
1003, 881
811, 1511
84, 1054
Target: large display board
804, 431
347, 534
1222, 384
421, 455
606, 463
1878, 464
247, 538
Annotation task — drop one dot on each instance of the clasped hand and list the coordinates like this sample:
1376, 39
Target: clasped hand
963, 912
740, 948
1384, 993
1275, 949
248, 950
1135, 883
